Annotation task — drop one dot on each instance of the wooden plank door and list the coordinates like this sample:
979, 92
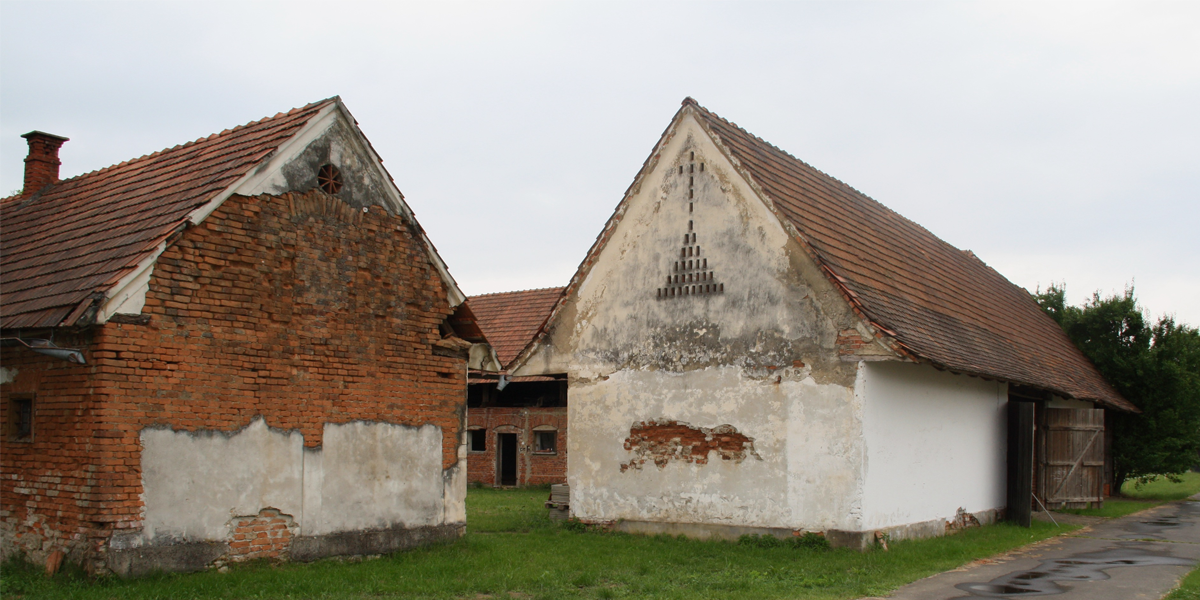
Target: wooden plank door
1071, 457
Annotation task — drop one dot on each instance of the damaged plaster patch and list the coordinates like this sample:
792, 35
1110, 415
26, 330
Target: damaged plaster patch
7, 375
664, 441
339, 145
265, 535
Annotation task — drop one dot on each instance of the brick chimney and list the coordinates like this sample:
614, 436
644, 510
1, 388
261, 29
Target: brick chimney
41, 166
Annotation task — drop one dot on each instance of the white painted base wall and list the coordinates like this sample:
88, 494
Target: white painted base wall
935, 442
365, 476
807, 435
907, 445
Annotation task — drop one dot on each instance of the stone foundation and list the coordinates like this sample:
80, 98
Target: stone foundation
270, 535
857, 540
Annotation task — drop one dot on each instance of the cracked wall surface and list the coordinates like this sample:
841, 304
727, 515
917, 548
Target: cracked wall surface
284, 358
702, 308
758, 355
364, 476
661, 442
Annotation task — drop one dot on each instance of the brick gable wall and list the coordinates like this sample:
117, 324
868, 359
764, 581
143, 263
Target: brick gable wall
298, 308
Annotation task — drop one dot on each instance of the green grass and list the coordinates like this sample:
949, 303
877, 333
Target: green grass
1189, 588
515, 510
1135, 498
1161, 488
1113, 507
512, 550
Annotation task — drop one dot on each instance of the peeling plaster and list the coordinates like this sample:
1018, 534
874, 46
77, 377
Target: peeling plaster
762, 358
362, 183
661, 442
330, 137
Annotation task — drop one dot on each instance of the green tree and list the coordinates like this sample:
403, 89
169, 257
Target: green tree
1157, 368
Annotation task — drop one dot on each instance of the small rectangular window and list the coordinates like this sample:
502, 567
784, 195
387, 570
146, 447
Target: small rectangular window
20, 418
478, 440
545, 442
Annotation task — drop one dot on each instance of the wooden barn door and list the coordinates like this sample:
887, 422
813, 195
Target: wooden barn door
1071, 457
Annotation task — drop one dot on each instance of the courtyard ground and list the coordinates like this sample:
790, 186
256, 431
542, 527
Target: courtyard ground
512, 550
1141, 555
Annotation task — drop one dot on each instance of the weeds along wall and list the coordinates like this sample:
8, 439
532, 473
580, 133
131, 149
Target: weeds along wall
285, 360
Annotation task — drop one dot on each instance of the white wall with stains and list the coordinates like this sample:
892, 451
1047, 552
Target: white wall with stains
840, 443
935, 442
803, 435
761, 356
364, 476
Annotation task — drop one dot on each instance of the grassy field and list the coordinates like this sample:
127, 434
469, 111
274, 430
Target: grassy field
1135, 498
512, 550
1164, 489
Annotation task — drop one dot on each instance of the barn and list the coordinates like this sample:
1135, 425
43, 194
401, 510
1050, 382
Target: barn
240, 347
753, 346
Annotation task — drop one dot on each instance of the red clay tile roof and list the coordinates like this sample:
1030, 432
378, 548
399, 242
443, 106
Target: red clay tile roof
940, 303
511, 319
77, 239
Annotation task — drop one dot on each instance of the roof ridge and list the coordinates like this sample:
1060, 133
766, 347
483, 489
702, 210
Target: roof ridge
765, 142
559, 288
209, 137
943, 304
806, 164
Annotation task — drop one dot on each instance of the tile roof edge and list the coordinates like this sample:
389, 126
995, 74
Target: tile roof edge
455, 296
882, 333
831, 178
150, 252
224, 132
1009, 380
839, 281
560, 288
602, 238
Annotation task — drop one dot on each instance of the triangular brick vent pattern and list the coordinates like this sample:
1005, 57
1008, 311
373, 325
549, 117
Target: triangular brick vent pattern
691, 274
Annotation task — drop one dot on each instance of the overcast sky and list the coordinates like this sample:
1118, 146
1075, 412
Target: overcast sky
1058, 141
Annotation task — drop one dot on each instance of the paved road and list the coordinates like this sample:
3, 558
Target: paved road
1139, 556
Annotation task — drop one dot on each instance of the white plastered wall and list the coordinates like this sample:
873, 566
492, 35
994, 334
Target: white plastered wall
364, 476
806, 434
935, 442
760, 357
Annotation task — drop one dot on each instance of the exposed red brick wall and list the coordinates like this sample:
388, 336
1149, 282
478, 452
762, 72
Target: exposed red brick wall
532, 468
265, 535
850, 342
664, 441
298, 308
48, 484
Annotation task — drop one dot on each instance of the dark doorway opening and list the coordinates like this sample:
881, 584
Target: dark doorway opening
506, 458
1020, 462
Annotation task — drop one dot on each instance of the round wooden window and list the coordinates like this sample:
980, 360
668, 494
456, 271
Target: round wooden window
329, 179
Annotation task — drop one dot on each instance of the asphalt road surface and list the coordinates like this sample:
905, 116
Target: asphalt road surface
1135, 557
